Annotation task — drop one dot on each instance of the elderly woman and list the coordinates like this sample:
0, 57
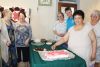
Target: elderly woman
23, 35
12, 50
81, 38
4, 42
60, 27
95, 23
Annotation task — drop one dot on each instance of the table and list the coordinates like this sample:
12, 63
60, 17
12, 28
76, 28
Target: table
0, 58
36, 61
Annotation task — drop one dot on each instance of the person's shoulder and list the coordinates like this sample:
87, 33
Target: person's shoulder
72, 28
88, 24
99, 22
88, 27
57, 22
17, 23
27, 24
64, 20
2, 21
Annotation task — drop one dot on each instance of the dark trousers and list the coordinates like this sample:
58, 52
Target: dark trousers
25, 54
64, 45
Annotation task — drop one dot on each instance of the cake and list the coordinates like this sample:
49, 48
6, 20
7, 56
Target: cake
56, 54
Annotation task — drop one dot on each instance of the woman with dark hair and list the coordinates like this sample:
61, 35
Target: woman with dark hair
23, 35
81, 38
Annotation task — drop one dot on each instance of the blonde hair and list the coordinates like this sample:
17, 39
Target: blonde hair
6, 12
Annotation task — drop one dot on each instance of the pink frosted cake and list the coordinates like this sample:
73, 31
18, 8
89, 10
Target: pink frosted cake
57, 54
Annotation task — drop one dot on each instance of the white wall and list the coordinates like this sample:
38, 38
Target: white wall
88, 6
42, 17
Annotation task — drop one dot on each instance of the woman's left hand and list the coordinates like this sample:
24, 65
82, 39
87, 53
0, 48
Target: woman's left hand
8, 43
93, 56
27, 42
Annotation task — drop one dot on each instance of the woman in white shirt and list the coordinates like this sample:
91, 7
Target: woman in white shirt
60, 27
95, 23
81, 39
4, 42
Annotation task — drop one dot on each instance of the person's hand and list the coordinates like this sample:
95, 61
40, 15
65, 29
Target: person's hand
26, 42
60, 34
93, 56
8, 43
53, 47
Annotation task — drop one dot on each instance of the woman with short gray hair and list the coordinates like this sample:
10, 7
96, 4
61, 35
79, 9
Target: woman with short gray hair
95, 23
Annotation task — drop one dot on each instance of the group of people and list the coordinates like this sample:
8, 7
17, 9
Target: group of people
14, 39
83, 38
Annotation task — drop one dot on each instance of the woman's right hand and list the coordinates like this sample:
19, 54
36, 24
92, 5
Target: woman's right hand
53, 47
8, 43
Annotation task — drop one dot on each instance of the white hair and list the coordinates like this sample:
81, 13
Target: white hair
96, 12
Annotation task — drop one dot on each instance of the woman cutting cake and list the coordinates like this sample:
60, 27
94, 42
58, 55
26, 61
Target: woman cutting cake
81, 38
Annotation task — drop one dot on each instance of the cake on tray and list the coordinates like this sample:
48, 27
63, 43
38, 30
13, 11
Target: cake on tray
56, 55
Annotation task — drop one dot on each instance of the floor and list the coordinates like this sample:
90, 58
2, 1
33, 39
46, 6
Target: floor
22, 64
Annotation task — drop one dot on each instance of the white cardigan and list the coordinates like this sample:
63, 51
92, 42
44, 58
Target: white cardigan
4, 38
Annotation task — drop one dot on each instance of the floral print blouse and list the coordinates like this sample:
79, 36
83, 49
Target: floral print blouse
22, 33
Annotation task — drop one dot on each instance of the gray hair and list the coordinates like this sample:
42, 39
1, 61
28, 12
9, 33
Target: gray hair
96, 12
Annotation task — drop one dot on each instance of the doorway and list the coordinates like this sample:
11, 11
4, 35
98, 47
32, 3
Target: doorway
62, 6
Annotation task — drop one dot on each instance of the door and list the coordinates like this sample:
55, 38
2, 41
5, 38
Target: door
62, 6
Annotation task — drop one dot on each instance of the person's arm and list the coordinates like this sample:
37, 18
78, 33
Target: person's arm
5, 34
55, 30
62, 40
30, 36
58, 34
94, 44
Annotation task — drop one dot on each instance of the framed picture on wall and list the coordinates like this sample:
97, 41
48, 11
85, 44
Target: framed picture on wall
44, 2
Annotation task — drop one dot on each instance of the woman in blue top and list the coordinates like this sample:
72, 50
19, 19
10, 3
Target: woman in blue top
22, 36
